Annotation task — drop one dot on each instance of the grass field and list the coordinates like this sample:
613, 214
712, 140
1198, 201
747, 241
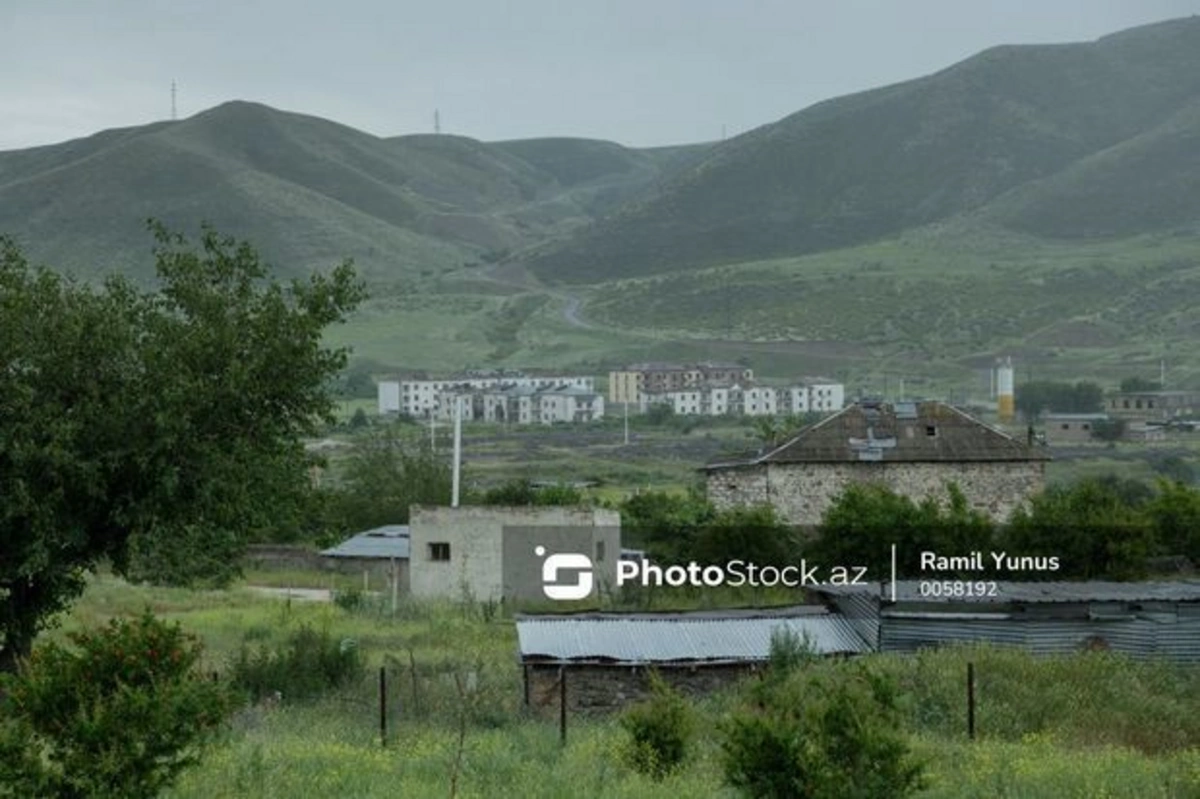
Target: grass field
1084, 726
933, 306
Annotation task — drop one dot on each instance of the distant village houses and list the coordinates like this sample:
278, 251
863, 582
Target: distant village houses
914, 448
718, 389
499, 396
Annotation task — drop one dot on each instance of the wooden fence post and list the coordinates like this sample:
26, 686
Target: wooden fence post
562, 705
971, 701
383, 705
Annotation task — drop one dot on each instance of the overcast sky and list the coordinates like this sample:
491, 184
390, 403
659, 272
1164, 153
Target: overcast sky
641, 72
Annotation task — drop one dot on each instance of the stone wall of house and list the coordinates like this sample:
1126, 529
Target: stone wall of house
802, 492
597, 689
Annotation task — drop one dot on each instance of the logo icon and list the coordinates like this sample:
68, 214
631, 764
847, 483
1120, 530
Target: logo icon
569, 562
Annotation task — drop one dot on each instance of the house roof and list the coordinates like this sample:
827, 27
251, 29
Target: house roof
727, 637
387, 542
909, 432
1035, 592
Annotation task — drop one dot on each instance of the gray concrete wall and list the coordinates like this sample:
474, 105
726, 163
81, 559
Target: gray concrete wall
486, 563
802, 492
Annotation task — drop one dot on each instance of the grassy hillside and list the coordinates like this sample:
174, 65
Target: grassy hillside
868, 166
308, 192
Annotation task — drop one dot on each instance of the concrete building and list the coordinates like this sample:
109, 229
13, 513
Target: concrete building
914, 448
1157, 406
635, 382
605, 658
1071, 428
495, 553
1147, 619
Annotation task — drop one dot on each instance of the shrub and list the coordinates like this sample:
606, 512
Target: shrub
789, 651
119, 715
309, 664
831, 735
659, 728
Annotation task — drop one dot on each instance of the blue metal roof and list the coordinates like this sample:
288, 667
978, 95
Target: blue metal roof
682, 638
387, 542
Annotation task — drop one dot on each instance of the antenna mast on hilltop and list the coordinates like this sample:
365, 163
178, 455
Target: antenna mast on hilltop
437, 121
173, 116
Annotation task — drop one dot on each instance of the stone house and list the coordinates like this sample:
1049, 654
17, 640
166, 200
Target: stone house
915, 448
601, 662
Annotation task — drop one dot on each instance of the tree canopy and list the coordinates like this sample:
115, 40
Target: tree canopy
157, 428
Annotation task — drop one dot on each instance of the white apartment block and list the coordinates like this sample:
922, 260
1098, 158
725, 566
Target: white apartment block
423, 398
815, 395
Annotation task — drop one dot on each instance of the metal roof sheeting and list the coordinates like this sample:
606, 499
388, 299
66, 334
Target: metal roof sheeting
387, 542
645, 639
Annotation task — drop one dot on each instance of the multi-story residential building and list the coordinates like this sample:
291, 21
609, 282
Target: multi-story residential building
631, 384
420, 398
812, 394
752, 400
522, 404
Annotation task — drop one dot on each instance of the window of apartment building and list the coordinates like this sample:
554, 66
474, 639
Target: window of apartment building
439, 550
931, 431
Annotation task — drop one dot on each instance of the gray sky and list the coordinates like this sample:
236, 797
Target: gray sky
641, 72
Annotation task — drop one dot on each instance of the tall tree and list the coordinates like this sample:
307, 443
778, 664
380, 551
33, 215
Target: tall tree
155, 428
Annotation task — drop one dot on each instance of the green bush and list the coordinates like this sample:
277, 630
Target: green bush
828, 735
311, 663
659, 728
119, 715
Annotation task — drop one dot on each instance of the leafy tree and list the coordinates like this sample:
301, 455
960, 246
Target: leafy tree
384, 477
1108, 429
753, 533
1175, 468
1096, 528
523, 492
665, 524
160, 429
1035, 397
659, 729
659, 414
118, 715
862, 524
826, 735
1138, 384
1175, 516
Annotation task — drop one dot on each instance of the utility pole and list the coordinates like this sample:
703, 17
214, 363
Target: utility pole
173, 114
437, 121
457, 450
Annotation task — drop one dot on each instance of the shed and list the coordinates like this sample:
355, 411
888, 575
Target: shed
605, 658
1141, 619
380, 555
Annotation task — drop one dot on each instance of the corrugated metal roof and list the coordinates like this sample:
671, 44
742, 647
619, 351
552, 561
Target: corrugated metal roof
1034, 592
387, 542
647, 639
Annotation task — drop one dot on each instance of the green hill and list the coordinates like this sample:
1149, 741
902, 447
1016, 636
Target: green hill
1100, 125
307, 191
